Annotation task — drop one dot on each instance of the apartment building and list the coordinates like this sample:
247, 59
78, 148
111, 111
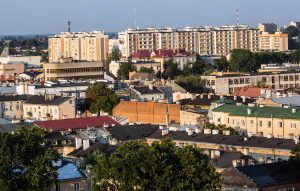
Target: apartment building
11, 106
201, 40
83, 46
48, 107
69, 70
273, 42
227, 83
268, 27
266, 121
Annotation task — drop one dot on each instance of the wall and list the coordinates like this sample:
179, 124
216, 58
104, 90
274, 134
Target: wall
70, 185
148, 112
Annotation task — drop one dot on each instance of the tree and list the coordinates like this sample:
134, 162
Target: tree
295, 158
135, 165
192, 84
292, 32
146, 70
242, 60
115, 55
296, 56
101, 98
26, 161
171, 69
125, 68
222, 64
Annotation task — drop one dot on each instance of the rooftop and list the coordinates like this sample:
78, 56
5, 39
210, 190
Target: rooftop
41, 100
13, 97
257, 111
76, 123
69, 171
132, 132
105, 148
234, 140
270, 174
147, 90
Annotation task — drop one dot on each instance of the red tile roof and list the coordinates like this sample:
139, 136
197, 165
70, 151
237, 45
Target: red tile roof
248, 91
142, 54
76, 123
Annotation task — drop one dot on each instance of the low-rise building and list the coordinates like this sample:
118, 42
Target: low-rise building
146, 93
148, 112
11, 68
227, 83
70, 177
40, 108
280, 122
11, 106
68, 70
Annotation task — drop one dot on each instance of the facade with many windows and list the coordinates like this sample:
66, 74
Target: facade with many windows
201, 40
222, 83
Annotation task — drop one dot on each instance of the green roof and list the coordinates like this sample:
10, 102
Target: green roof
225, 100
256, 111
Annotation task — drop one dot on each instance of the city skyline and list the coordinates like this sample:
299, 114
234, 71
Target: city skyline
116, 15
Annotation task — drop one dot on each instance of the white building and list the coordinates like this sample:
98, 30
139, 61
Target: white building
112, 45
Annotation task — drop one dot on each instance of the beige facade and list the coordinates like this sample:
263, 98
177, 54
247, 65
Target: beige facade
273, 42
73, 71
12, 68
49, 107
76, 185
85, 46
201, 40
191, 118
266, 126
228, 83
11, 107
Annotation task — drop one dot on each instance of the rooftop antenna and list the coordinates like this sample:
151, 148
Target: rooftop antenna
237, 17
69, 26
134, 9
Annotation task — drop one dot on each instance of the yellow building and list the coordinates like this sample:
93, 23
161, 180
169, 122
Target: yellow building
266, 121
69, 70
84, 46
274, 42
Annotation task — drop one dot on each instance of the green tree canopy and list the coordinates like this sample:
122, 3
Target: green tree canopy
192, 84
295, 158
101, 98
115, 55
146, 70
171, 69
222, 64
26, 161
125, 68
292, 31
296, 56
135, 165
242, 60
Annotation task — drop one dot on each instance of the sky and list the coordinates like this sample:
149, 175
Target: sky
21, 17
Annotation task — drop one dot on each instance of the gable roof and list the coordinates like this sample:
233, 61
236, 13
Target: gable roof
69, 171
40, 100
105, 148
270, 174
132, 132
147, 90
76, 123
248, 91
233, 177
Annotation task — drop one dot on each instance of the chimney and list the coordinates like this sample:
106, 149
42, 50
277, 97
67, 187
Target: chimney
201, 96
86, 144
209, 96
294, 110
190, 132
164, 132
244, 99
49, 97
234, 98
78, 142
151, 86
248, 111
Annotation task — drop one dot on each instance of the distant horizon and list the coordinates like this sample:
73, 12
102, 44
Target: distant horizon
51, 17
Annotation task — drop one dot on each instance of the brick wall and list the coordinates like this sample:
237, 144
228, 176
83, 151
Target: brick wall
148, 112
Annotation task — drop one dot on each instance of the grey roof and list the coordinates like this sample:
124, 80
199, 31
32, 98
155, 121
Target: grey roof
293, 101
271, 174
40, 100
226, 158
105, 148
232, 177
132, 132
234, 140
13, 97
8, 128
60, 85
147, 90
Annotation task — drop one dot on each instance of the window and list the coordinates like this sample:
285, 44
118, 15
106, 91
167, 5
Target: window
293, 125
280, 124
260, 123
269, 124
57, 187
77, 186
